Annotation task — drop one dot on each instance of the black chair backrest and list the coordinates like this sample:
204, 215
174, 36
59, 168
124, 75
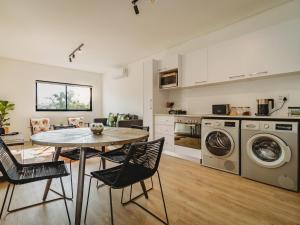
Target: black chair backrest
144, 156
146, 128
60, 127
9, 166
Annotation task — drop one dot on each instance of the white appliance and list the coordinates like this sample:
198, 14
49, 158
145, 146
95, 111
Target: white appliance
220, 144
269, 152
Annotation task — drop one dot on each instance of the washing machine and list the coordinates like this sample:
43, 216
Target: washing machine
220, 144
269, 152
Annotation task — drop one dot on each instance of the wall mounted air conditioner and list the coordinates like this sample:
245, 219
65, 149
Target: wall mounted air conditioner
118, 73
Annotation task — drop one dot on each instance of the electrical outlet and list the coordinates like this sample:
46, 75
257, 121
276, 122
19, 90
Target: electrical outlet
281, 98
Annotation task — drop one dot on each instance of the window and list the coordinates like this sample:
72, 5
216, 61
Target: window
52, 96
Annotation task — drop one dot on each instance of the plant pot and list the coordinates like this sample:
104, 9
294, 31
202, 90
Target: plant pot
2, 130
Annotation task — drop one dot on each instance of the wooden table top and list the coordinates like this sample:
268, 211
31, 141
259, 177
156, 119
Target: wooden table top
83, 137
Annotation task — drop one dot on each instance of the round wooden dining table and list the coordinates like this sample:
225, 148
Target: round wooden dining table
83, 138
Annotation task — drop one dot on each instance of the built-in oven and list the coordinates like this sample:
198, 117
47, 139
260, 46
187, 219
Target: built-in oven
187, 132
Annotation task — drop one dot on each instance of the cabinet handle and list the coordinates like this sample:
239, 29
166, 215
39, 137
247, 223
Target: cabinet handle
200, 82
237, 76
258, 73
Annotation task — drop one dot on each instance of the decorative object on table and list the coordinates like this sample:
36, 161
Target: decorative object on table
38, 125
294, 111
221, 109
5, 107
97, 128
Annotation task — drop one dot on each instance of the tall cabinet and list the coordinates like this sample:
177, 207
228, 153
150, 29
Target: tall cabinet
154, 100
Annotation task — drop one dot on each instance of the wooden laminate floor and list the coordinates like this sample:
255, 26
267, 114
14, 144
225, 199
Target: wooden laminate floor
195, 195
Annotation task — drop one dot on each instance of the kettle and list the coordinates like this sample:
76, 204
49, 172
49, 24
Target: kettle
264, 106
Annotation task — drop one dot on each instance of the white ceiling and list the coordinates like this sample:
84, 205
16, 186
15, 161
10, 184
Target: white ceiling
46, 31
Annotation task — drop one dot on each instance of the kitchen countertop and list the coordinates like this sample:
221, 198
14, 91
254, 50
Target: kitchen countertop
234, 117
253, 117
187, 115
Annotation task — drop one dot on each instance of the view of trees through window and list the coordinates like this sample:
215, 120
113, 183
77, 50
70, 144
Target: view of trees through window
62, 97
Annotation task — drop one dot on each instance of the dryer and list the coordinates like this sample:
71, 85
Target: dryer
269, 152
220, 144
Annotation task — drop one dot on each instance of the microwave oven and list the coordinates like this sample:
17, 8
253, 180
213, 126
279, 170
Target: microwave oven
168, 79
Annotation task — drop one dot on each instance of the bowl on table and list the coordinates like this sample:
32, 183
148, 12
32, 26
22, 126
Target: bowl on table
97, 128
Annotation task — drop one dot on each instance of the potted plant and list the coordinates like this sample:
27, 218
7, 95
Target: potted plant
5, 107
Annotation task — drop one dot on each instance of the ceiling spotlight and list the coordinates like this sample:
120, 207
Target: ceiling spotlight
78, 49
135, 7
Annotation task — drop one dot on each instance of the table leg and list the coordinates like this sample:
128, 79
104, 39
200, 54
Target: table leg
55, 158
80, 187
103, 160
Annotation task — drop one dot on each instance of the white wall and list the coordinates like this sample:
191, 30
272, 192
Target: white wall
199, 100
18, 86
126, 94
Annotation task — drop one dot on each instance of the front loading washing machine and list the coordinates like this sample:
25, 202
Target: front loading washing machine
220, 144
269, 152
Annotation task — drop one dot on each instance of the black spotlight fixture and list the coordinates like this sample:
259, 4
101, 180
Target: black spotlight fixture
78, 49
135, 7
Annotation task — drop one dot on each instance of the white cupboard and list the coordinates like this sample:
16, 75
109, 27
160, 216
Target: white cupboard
170, 63
194, 68
270, 51
164, 127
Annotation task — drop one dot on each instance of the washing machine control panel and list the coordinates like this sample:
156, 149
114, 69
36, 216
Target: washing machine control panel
270, 126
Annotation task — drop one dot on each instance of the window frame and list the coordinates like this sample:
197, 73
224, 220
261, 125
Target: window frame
66, 91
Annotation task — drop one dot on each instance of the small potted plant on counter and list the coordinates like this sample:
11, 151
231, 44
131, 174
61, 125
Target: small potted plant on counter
5, 107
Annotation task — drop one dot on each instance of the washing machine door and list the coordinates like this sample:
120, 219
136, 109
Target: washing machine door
268, 150
219, 143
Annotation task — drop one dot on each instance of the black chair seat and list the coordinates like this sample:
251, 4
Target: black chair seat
41, 171
74, 154
117, 155
133, 174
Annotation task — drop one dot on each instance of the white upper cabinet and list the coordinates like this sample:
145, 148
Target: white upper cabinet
170, 63
227, 61
194, 68
274, 50
270, 51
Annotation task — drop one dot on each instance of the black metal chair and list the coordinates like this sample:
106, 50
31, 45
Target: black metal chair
17, 174
141, 163
74, 155
119, 155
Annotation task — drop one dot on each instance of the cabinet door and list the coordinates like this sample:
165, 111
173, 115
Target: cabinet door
275, 50
227, 60
169, 63
194, 68
148, 78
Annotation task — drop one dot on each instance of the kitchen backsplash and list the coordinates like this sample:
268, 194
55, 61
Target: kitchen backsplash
240, 93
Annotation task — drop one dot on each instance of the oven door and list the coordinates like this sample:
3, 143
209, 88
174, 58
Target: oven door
188, 135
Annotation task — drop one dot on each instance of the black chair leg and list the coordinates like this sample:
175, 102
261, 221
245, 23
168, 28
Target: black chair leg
65, 201
71, 177
163, 198
111, 207
4, 201
87, 200
11, 195
132, 200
